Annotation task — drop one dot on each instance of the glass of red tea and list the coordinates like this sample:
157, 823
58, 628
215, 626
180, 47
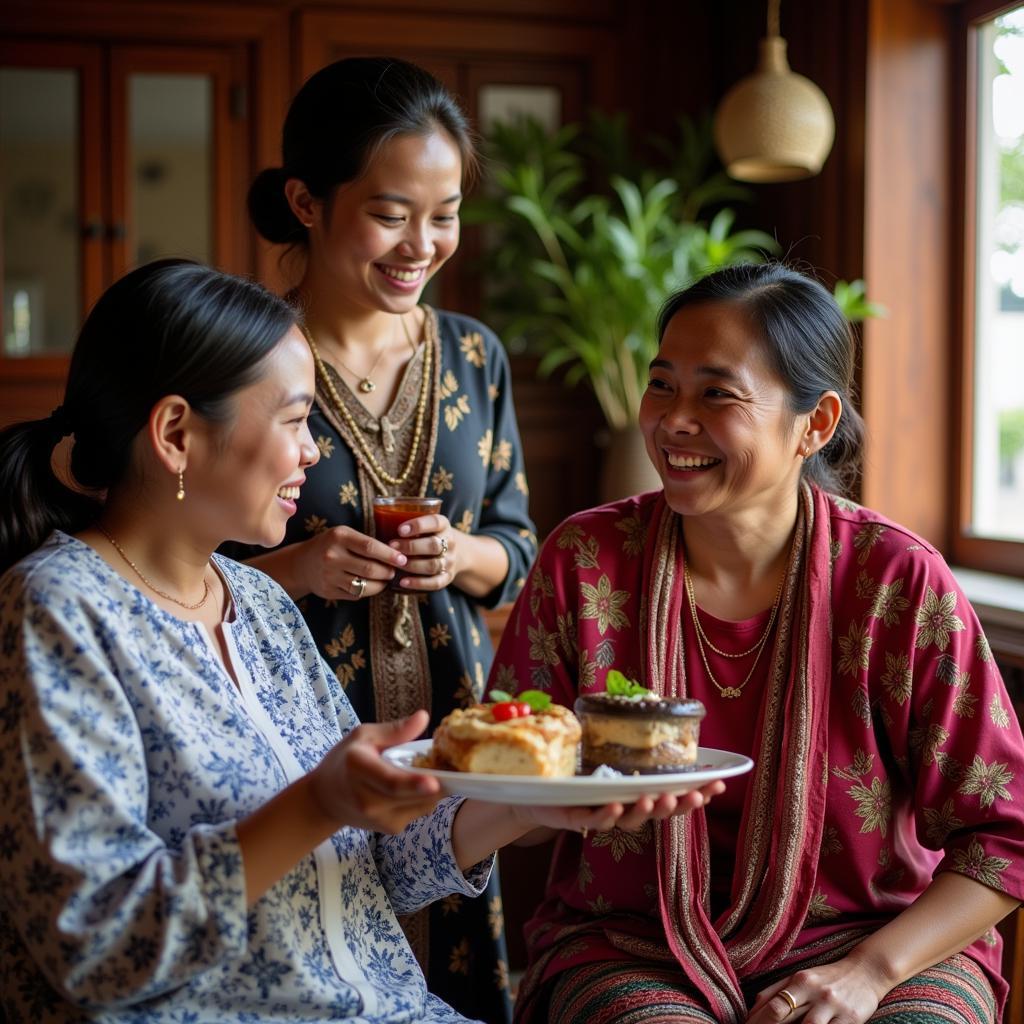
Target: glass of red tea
390, 513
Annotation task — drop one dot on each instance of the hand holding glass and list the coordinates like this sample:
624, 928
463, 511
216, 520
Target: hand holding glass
390, 513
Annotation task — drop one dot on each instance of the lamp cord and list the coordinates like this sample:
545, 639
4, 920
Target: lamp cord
773, 18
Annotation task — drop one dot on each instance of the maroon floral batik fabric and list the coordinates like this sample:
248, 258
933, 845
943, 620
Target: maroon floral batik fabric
884, 742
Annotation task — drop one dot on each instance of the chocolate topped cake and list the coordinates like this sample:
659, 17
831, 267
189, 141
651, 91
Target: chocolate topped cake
642, 733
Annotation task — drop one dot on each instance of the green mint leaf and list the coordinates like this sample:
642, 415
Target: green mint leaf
537, 699
499, 696
620, 686
616, 683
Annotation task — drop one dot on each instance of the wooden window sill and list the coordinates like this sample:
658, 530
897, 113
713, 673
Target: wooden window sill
999, 603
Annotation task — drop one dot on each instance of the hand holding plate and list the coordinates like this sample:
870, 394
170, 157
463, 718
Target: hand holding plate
618, 815
355, 786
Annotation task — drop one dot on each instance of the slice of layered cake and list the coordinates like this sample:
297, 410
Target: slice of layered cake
511, 736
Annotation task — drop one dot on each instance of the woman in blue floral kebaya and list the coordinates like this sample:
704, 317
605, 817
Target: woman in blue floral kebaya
194, 826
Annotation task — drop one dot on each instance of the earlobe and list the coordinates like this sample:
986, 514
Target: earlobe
822, 423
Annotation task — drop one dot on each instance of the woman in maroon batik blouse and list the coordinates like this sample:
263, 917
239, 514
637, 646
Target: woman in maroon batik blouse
858, 872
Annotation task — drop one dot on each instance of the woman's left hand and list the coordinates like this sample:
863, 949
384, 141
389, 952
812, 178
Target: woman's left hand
432, 549
482, 828
845, 992
628, 817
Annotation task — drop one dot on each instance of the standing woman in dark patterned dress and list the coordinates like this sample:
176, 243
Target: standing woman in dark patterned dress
410, 400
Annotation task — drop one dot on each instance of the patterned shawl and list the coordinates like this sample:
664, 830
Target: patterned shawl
771, 894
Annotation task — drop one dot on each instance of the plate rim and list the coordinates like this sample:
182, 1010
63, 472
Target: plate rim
742, 765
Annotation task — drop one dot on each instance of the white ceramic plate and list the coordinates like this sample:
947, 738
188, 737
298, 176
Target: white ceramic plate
577, 791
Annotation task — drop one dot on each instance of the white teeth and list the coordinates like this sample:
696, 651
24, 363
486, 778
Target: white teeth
691, 462
407, 276
288, 493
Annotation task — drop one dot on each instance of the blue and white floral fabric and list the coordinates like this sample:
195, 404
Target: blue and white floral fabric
127, 755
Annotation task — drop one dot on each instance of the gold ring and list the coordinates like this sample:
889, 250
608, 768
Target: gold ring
444, 546
358, 585
788, 996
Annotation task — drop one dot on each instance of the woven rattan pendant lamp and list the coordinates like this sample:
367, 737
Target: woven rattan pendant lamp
773, 125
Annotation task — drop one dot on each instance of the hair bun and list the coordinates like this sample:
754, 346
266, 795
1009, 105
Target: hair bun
268, 207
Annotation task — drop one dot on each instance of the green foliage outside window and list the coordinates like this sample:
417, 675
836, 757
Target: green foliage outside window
1011, 434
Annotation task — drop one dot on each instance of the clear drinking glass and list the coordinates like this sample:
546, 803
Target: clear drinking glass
390, 513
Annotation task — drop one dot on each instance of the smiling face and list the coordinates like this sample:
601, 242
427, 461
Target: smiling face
381, 238
243, 484
716, 417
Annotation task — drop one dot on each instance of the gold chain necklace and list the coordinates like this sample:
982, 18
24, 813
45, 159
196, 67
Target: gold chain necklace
361, 444
149, 583
405, 327
702, 639
707, 639
366, 384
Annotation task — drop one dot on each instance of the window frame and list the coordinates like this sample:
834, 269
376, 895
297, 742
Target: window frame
987, 554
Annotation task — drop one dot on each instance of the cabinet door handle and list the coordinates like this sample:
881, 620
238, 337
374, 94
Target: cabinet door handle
117, 232
92, 230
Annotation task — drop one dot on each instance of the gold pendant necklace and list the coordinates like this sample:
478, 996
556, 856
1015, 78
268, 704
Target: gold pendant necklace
149, 583
729, 692
366, 384
364, 453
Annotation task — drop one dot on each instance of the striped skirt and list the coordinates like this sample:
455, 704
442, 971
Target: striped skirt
955, 991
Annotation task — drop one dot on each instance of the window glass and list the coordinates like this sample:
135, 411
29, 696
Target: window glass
507, 102
172, 166
998, 456
39, 199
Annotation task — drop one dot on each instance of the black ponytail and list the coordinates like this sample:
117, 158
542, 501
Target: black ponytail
36, 500
169, 328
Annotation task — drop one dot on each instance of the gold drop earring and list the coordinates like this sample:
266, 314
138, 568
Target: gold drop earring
181, 485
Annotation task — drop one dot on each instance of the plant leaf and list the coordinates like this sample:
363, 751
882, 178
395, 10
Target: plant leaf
621, 686
537, 699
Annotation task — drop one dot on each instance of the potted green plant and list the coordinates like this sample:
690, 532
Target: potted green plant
586, 245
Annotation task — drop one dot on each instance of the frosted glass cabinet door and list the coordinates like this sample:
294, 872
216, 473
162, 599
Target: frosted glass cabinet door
170, 166
39, 198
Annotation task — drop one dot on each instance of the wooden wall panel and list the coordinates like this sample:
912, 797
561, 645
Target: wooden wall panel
321, 32
907, 394
669, 63
29, 398
559, 428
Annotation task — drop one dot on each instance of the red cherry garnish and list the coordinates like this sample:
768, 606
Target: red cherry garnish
524, 709
505, 710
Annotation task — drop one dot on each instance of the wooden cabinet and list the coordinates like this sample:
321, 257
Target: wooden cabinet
53, 249
127, 132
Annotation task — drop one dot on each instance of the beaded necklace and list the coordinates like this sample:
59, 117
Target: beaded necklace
364, 450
